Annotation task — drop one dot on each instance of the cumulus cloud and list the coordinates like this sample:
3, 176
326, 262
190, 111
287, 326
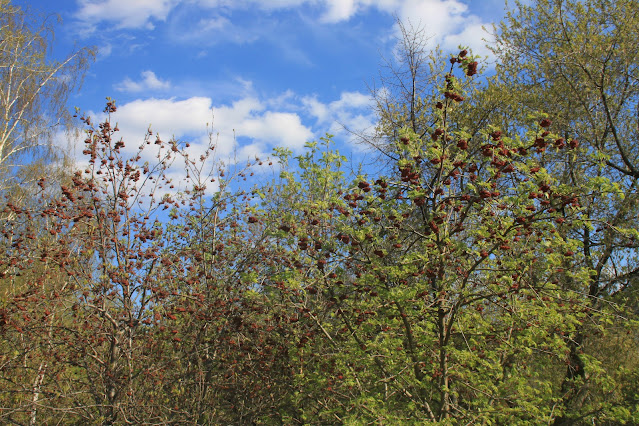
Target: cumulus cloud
249, 118
282, 127
339, 10
165, 116
186, 120
473, 35
124, 13
449, 22
148, 82
352, 112
246, 127
437, 14
347, 104
240, 131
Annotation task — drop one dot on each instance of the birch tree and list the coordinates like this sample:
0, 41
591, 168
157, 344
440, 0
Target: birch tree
34, 88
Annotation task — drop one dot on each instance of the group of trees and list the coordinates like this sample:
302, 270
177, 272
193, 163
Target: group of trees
485, 273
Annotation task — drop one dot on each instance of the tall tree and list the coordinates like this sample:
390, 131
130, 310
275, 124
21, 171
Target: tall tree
430, 295
578, 62
33, 87
33, 94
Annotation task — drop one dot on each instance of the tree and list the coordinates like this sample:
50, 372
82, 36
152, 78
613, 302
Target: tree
429, 292
105, 294
150, 309
34, 89
33, 96
577, 61
235, 340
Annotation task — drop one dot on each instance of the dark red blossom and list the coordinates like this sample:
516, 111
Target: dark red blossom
472, 69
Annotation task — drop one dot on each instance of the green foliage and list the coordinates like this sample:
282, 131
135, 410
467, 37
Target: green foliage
592, 100
484, 274
432, 278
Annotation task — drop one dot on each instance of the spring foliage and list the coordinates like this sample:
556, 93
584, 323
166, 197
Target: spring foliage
484, 275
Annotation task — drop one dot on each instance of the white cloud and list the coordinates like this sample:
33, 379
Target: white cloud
436, 14
474, 36
333, 10
339, 10
249, 118
124, 13
187, 120
274, 127
352, 100
240, 131
205, 27
448, 21
149, 82
246, 127
105, 50
165, 116
352, 112
217, 23
243, 4
317, 109
345, 106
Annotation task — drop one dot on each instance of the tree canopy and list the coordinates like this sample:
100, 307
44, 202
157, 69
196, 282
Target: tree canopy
485, 274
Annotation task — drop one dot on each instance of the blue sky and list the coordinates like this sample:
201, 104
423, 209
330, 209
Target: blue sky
265, 73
